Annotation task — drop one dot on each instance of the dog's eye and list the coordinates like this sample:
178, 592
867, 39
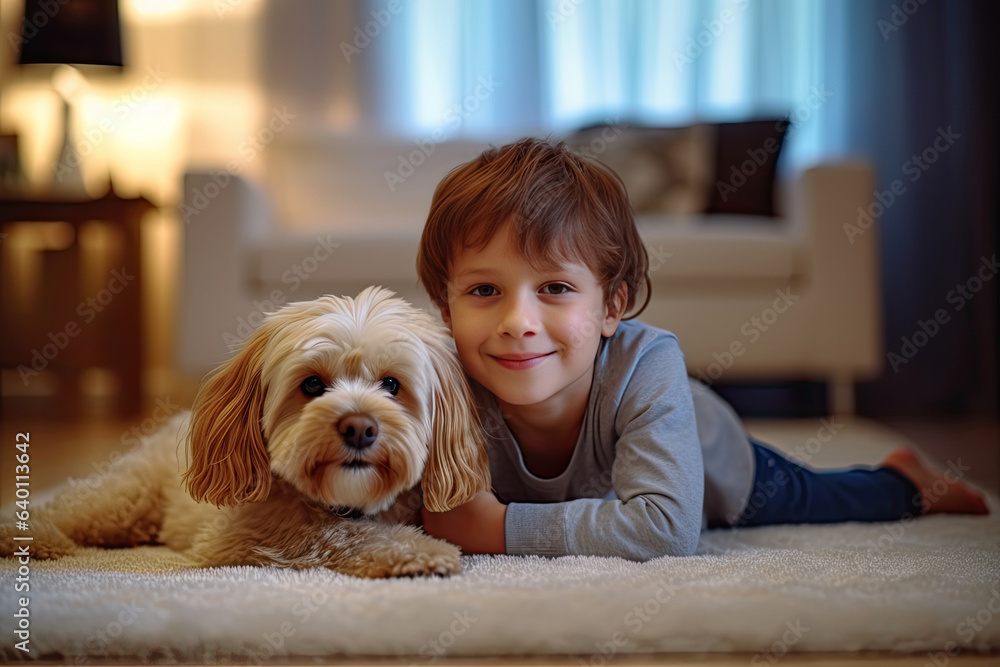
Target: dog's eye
391, 385
313, 386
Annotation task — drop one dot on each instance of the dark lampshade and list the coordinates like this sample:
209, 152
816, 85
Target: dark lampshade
71, 32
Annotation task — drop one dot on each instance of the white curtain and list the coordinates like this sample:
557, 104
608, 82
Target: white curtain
497, 69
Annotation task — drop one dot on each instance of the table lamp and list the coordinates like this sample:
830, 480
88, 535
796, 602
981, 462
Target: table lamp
71, 32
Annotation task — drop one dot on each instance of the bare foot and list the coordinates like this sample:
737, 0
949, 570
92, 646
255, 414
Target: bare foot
939, 492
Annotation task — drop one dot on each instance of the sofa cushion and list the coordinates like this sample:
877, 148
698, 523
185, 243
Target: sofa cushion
665, 170
339, 256
746, 158
686, 248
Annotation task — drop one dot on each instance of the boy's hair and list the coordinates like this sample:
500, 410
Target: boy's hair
561, 207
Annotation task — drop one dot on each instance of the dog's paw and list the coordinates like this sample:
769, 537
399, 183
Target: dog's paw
426, 556
47, 542
400, 551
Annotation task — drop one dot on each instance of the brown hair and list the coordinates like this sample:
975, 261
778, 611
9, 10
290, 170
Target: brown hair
560, 205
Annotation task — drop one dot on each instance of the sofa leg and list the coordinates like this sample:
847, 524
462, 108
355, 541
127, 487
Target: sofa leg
840, 396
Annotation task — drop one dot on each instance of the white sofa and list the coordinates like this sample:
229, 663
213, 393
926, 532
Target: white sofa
750, 298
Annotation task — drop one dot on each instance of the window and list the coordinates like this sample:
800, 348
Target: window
502, 68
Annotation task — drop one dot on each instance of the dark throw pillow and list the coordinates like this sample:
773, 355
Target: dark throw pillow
746, 157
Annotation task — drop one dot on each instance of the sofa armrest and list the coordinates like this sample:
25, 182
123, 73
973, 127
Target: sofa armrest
223, 215
842, 267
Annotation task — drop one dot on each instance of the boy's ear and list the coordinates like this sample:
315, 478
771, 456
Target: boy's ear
445, 315
444, 304
615, 310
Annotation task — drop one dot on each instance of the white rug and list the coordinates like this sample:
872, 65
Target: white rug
928, 585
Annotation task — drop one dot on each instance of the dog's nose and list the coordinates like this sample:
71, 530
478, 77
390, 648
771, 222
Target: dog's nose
359, 431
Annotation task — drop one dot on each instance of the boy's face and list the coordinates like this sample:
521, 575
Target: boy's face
530, 337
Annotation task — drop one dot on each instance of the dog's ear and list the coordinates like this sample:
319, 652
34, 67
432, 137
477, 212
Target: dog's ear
458, 465
229, 464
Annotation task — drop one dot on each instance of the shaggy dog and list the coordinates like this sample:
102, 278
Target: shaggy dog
312, 447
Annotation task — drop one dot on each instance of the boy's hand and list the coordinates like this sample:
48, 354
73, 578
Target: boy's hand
477, 526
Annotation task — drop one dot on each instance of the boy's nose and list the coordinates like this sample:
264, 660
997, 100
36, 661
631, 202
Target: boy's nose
519, 319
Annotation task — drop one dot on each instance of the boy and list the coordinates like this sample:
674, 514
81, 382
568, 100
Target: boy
600, 443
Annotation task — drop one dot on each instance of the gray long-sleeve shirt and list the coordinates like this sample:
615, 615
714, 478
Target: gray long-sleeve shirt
659, 455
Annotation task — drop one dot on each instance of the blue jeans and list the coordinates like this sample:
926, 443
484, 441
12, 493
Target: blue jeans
785, 492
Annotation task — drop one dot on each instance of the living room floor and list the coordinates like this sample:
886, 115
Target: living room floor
678, 660
60, 449
65, 448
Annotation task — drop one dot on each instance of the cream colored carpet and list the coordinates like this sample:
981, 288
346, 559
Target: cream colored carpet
929, 585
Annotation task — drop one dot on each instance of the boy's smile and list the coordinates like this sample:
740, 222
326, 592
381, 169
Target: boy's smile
528, 335
517, 362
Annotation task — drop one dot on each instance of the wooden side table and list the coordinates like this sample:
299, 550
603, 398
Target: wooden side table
73, 330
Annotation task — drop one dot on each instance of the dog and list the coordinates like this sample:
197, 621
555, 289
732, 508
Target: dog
313, 446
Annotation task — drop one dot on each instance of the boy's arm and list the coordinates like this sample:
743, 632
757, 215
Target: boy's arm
646, 425
477, 527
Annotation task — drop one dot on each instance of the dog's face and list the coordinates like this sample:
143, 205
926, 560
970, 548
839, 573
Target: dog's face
350, 401
348, 408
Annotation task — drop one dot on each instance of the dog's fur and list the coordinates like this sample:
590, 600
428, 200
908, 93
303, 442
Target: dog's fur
276, 466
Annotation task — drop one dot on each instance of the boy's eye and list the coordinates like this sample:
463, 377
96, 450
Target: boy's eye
556, 288
484, 290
